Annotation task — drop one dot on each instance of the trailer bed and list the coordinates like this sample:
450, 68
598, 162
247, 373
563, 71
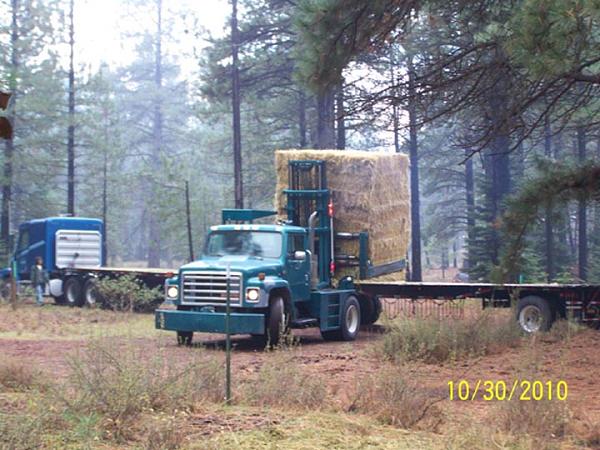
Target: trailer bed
436, 290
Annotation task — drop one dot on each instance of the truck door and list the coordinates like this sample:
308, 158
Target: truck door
22, 254
298, 269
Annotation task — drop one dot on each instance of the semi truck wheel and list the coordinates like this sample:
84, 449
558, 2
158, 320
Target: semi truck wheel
534, 314
349, 323
185, 337
72, 292
276, 322
90, 293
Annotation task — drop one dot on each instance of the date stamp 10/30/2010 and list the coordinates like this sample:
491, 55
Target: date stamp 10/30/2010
500, 390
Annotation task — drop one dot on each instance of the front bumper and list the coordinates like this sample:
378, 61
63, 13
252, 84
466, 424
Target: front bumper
209, 322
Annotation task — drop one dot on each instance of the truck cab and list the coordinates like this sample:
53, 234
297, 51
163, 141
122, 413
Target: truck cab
269, 274
272, 276
64, 243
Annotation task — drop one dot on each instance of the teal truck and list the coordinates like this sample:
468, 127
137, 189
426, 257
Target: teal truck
281, 275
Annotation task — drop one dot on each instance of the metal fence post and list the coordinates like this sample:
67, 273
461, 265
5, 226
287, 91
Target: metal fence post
228, 340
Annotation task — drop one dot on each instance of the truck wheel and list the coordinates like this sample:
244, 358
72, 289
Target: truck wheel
72, 292
276, 322
370, 310
185, 337
350, 322
534, 314
90, 293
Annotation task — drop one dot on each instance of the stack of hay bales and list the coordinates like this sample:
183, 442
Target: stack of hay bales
370, 193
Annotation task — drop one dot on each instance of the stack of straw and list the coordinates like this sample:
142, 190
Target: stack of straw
370, 193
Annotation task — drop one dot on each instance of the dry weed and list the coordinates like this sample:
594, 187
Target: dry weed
434, 341
395, 398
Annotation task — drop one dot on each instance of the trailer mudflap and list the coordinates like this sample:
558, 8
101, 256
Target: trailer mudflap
209, 322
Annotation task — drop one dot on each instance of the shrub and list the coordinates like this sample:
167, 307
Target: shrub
433, 341
395, 398
544, 418
18, 376
163, 434
281, 382
126, 293
20, 432
120, 383
563, 330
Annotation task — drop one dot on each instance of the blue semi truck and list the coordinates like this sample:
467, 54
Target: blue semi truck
280, 275
74, 254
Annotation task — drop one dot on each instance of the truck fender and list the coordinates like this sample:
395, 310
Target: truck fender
55, 287
271, 285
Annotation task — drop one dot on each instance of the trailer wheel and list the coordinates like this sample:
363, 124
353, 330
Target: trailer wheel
72, 292
185, 337
534, 314
277, 322
90, 293
350, 322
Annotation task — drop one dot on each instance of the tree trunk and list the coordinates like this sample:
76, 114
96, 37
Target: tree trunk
498, 157
340, 119
395, 109
235, 100
157, 128
548, 225
326, 116
415, 202
9, 145
71, 127
302, 118
470, 201
105, 186
582, 211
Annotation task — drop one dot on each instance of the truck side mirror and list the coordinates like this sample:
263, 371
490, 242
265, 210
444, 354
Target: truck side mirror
300, 255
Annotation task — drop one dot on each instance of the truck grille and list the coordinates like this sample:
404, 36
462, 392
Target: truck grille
211, 287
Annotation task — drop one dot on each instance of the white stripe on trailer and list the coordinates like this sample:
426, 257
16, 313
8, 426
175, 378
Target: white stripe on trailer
78, 248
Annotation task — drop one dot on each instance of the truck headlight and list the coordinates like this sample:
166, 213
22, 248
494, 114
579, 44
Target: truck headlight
172, 292
252, 294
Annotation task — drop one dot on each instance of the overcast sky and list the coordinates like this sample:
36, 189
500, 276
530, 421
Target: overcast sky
102, 26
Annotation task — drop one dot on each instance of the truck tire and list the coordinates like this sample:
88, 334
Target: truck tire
534, 314
276, 321
185, 338
370, 309
72, 292
91, 299
349, 323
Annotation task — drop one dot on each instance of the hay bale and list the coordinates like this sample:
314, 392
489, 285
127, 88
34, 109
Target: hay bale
370, 193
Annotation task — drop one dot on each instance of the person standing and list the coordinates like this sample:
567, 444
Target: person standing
39, 278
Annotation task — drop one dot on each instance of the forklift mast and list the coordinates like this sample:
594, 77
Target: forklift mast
308, 194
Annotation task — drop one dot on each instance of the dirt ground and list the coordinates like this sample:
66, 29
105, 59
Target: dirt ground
574, 360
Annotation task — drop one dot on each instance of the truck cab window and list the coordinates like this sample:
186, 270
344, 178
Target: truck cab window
23, 240
295, 243
252, 243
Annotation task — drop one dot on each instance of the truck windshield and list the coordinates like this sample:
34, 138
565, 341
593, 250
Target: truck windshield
263, 244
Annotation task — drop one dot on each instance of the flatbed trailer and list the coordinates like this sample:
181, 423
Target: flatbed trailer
537, 305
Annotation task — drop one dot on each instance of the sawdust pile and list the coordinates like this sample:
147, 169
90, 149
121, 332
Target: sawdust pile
370, 193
